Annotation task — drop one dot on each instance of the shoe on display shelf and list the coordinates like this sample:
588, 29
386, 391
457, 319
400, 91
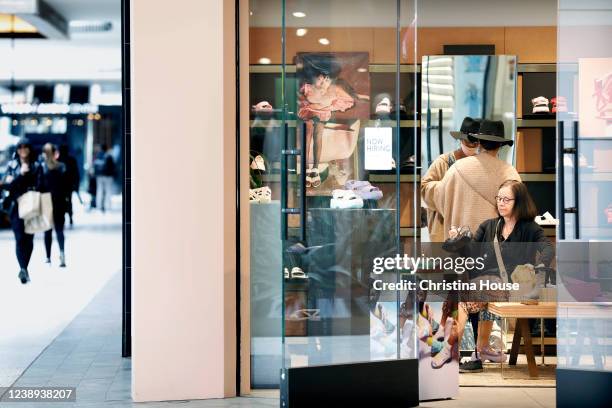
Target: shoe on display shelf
258, 163
305, 314
540, 105
471, 367
313, 178
364, 189
298, 273
559, 104
383, 107
345, 199
546, 219
260, 195
263, 106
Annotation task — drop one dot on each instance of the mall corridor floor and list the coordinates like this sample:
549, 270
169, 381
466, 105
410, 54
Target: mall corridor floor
32, 315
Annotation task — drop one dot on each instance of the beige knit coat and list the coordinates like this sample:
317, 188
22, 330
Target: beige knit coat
466, 193
435, 173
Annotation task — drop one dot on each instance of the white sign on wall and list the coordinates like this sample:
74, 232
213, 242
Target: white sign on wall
378, 148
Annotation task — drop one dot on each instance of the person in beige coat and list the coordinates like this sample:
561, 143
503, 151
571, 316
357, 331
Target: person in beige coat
466, 194
437, 170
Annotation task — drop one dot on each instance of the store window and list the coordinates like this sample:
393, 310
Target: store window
336, 81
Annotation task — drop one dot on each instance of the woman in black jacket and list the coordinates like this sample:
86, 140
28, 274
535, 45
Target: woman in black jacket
22, 175
521, 241
55, 181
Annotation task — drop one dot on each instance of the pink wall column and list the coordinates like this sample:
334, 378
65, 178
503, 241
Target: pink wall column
183, 203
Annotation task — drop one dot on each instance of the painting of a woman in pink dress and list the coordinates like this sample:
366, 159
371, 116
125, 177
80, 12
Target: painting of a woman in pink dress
322, 94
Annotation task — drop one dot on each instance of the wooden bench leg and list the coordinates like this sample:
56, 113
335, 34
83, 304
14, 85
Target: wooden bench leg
516, 343
531, 363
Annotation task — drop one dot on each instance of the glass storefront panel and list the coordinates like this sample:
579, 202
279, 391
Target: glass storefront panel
584, 129
343, 194
333, 142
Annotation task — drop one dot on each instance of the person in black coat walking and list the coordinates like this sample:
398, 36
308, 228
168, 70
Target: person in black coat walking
73, 177
22, 175
55, 181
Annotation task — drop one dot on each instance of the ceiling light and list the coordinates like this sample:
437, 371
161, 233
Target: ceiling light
300, 32
264, 60
299, 14
323, 41
362, 70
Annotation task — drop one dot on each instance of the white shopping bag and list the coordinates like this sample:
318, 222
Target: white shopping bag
29, 205
43, 221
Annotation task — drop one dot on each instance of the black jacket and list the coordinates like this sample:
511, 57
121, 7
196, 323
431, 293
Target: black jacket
17, 184
525, 244
56, 182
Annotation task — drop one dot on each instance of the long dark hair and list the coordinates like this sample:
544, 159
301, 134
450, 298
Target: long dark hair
524, 207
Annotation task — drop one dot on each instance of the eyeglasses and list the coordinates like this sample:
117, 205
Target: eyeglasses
504, 200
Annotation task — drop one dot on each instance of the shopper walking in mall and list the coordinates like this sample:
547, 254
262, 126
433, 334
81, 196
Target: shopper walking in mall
521, 243
73, 178
22, 175
55, 181
465, 197
105, 173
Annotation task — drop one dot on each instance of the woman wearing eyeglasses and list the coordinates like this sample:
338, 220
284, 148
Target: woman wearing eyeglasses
520, 241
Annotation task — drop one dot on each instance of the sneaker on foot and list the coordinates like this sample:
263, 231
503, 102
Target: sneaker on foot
471, 367
493, 356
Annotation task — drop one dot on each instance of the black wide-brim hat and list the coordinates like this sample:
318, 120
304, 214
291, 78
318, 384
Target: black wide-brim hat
469, 127
493, 130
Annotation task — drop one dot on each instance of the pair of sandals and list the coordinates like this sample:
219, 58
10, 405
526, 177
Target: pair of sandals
313, 179
260, 195
364, 189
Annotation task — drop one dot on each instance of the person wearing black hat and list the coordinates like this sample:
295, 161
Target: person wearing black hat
439, 167
22, 175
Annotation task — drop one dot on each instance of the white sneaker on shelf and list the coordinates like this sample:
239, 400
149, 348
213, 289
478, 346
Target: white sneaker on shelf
540, 105
298, 273
345, 199
546, 219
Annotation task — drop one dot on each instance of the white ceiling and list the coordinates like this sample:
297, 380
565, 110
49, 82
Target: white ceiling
85, 57
382, 13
